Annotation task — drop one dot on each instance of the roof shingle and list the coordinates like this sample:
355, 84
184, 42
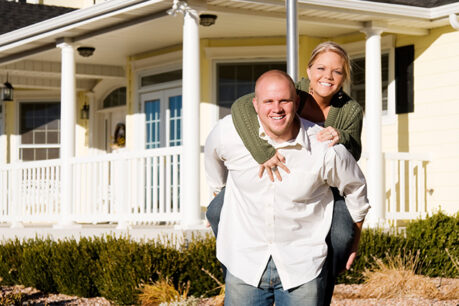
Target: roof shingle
17, 15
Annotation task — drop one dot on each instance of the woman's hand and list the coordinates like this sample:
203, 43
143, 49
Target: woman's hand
329, 133
272, 165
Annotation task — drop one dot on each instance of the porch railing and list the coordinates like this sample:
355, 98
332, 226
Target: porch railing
134, 188
405, 176
144, 187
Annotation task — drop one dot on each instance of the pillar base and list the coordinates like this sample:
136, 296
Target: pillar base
67, 225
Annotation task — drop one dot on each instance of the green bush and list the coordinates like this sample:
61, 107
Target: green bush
73, 265
115, 267
10, 261
35, 269
432, 236
123, 264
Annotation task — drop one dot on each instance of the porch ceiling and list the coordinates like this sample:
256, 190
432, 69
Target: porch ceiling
118, 29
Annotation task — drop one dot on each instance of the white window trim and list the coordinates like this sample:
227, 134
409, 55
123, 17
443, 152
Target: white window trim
154, 65
16, 148
162, 96
357, 49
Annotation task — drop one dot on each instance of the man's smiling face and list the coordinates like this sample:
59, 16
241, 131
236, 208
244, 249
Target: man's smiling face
276, 103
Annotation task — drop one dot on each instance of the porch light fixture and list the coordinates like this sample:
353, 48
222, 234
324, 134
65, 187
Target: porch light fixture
86, 51
84, 113
7, 91
207, 19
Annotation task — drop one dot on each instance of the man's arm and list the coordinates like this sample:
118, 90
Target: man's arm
343, 172
216, 171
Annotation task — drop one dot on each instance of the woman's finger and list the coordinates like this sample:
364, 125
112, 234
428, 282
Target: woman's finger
280, 157
270, 174
261, 171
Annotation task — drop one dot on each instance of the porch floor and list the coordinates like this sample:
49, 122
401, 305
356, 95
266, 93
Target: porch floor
138, 232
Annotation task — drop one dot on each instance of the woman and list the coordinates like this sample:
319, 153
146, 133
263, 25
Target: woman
321, 101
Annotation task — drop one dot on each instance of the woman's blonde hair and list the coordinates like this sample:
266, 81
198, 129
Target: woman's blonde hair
333, 47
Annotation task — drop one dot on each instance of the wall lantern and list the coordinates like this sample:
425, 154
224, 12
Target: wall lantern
7, 91
84, 113
86, 51
207, 19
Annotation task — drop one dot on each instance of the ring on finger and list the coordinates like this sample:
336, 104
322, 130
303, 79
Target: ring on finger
274, 168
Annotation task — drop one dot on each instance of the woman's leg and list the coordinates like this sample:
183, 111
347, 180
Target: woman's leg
339, 241
213, 216
214, 210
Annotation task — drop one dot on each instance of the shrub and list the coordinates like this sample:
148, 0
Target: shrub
116, 267
35, 269
10, 261
73, 266
432, 236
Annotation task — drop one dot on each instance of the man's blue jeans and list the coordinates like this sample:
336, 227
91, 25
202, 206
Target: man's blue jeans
339, 240
270, 291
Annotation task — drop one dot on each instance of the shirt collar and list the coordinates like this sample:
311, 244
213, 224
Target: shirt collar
301, 139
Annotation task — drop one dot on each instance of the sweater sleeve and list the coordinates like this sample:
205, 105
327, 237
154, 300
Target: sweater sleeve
246, 123
348, 121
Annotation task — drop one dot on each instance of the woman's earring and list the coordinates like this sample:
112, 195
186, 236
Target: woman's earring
340, 94
311, 91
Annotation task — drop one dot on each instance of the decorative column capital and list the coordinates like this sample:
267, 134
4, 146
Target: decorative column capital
180, 6
370, 28
64, 42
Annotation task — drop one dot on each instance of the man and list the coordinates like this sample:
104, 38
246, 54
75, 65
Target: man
272, 234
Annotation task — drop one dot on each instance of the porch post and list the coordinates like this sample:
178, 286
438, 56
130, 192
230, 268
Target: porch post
190, 159
68, 120
373, 110
292, 39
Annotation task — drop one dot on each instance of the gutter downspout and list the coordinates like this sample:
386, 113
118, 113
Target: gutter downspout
453, 21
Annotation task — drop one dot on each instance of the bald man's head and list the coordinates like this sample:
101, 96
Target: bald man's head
276, 103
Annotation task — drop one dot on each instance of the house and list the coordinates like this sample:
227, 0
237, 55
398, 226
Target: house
113, 101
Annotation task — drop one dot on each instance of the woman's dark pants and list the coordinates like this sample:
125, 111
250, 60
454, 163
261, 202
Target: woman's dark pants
339, 239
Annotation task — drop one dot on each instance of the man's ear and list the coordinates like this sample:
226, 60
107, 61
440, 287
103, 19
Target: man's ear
255, 104
297, 103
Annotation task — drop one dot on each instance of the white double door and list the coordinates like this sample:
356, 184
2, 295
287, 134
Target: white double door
163, 118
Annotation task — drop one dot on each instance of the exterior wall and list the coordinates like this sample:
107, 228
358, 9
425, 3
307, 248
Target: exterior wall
434, 125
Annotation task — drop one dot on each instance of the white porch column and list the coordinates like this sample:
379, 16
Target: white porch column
292, 39
190, 162
373, 113
68, 120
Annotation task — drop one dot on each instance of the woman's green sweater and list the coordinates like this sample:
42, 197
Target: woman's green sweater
345, 115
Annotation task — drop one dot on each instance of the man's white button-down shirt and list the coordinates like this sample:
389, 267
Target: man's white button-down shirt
287, 220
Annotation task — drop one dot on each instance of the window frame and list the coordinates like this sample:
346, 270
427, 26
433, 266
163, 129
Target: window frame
20, 145
357, 50
164, 111
237, 62
237, 54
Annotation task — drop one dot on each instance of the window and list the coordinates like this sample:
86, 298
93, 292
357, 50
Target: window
160, 78
116, 98
163, 115
358, 80
237, 79
40, 130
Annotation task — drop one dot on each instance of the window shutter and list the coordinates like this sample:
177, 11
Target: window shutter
404, 79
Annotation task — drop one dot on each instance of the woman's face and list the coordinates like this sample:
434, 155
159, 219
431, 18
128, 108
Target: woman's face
326, 75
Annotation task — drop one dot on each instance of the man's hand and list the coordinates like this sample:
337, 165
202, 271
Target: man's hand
272, 165
355, 245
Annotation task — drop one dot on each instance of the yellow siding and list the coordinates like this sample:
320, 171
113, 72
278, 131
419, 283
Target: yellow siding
434, 125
